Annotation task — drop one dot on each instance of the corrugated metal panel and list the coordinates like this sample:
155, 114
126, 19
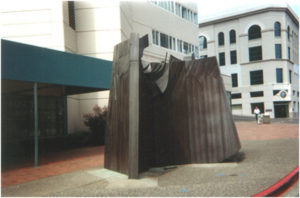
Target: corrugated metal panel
190, 122
116, 142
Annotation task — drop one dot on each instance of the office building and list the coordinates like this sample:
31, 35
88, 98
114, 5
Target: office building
259, 49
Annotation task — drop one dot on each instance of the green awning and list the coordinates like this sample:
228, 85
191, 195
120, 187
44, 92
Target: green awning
30, 63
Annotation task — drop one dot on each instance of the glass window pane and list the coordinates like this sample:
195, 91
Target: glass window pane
279, 78
164, 40
256, 77
277, 50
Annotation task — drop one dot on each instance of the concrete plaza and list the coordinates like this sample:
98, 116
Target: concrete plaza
270, 151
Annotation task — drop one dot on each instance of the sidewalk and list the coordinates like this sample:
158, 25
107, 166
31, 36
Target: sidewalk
56, 164
271, 152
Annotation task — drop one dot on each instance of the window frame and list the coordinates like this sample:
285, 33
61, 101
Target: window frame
233, 57
234, 80
278, 51
255, 56
164, 37
277, 29
221, 39
232, 37
236, 95
202, 43
279, 75
254, 32
288, 33
256, 77
222, 61
254, 94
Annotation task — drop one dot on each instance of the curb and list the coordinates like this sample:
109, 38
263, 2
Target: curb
281, 186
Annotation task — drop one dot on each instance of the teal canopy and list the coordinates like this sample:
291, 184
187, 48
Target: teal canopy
30, 63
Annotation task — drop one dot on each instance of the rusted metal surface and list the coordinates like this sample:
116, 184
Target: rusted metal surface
117, 132
184, 115
193, 120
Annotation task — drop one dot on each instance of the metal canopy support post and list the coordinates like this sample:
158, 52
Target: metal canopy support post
133, 154
36, 138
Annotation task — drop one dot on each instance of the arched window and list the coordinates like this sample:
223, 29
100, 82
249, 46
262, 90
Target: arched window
232, 36
277, 29
202, 42
288, 32
221, 38
254, 32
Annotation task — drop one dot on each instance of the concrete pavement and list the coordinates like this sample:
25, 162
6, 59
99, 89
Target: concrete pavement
267, 160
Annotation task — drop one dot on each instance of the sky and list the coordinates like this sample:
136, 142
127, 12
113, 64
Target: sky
212, 8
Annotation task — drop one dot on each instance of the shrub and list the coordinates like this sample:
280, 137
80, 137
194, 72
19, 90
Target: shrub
97, 123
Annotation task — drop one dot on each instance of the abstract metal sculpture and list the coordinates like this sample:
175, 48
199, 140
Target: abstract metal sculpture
177, 113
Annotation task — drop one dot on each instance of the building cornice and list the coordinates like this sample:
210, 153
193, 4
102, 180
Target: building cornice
268, 60
246, 14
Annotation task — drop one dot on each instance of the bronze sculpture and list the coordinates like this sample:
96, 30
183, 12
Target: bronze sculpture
177, 113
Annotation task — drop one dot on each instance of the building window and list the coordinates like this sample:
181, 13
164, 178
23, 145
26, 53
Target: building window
185, 48
221, 38
277, 29
178, 10
254, 32
155, 37
222, 58
279, 75
290, 76
71, 14
233, 57
236, 95
179, 45
202, 42
203, 56
255, 53
275, 92
288, 33
277, 51
170, 42
256, 77
232, 37
184, 13
196, 18
289, 53
256, 94
163, 40
234, 80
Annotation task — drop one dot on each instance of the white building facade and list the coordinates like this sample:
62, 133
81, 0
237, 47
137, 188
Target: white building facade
259, 49
93, 28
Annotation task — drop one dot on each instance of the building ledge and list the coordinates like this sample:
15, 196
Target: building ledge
267, 60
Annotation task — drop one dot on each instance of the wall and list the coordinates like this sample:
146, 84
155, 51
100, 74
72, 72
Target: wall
146, 17
269, 64
97, 27
39, 24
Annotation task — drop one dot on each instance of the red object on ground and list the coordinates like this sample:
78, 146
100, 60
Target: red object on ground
281, 186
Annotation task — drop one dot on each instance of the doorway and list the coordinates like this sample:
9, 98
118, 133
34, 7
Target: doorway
260, 105
281, 109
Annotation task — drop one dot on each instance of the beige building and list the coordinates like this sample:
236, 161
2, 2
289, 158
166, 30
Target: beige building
259, 49
93, 28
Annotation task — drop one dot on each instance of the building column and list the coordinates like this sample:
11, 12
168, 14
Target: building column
35, 108
134, 96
